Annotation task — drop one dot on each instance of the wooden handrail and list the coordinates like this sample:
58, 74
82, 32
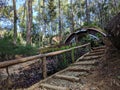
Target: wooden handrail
26, 59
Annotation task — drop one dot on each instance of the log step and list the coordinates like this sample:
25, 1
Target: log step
48, 86
98, 50
85, 63
95, 53
101, 47
69, 78
91, 57
79, 70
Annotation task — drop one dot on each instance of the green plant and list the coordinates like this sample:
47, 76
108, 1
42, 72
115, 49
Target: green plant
8, 50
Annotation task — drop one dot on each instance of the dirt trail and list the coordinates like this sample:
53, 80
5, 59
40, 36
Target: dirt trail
76, 76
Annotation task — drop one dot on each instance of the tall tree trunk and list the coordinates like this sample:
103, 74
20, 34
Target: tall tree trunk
26, 23
39, 22
72, 16
80, 10
115, 6
15, 21
29, 23
87, 12
23, 17
44, 19
60, 30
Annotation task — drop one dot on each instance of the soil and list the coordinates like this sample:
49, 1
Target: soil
107, 74
105, 77
24, 74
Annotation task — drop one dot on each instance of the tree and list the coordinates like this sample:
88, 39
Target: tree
72, 16
15, 21
51, 17
29, 22
60, 29
87, 12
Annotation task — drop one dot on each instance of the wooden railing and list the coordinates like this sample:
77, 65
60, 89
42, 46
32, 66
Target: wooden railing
7, 64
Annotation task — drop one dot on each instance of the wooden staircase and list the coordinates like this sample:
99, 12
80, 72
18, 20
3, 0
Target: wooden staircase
73, 77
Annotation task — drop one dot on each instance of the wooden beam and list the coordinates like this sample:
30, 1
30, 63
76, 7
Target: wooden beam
69, 78
91, 57
78, 70
98, 50
82, 56
86, 62
26, 59
100, 47
95, 53
53, 87
44, 68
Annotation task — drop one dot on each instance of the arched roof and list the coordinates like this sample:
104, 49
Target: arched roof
85, 30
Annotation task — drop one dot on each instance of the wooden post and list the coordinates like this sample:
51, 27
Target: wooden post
89, 47
44, 68
9, 82
72, 54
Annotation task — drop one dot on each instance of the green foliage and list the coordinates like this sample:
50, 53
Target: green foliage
51, 8
90, 25
8, 50
64, 63
26, 50
57, 48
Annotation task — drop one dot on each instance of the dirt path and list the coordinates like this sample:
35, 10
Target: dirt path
75, 77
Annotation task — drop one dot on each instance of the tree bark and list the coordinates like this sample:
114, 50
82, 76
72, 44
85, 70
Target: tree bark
87, 12
115, 6
29, 23
72, 17
60, 30
15, 21
44, 27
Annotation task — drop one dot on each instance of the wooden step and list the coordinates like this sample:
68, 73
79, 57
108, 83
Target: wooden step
85, 63
79, 70
69, 78
82, 56
98, 50
95, 53
91, 57
48, 86
101, 47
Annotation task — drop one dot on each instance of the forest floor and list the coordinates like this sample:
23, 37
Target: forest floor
107, 74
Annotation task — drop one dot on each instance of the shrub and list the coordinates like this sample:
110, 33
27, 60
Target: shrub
8, 50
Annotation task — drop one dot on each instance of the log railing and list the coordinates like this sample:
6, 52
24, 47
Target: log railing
7, 64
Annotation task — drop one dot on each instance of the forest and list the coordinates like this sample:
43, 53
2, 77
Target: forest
40, 39
41, 23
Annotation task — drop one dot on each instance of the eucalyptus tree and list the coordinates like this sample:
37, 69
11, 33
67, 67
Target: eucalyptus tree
60, 29
72, 16
15, 21
29, 22
51, 17
87, 12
